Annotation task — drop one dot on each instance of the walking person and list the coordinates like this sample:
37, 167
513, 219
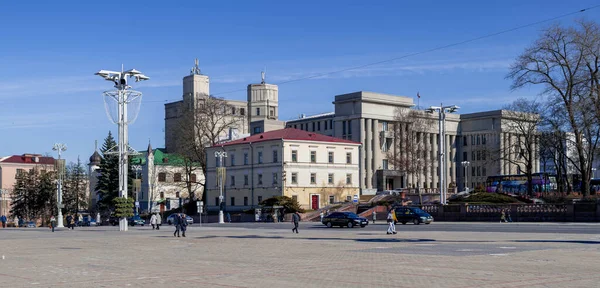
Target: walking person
153, 221
183, 219
16, 221
502, 216
158, 221
52, 222
228, 217
390, 221
374, 216
508, 216
69, 219
3, 219
295, 220
177, 223
322, 215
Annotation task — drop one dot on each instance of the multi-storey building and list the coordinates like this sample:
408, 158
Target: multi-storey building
371, 118
314, 169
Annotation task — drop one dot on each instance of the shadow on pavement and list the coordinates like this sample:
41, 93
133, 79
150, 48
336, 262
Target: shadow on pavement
558, 241
403, 240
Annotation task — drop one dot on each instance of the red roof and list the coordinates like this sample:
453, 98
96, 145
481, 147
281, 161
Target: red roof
29, 159
288, 134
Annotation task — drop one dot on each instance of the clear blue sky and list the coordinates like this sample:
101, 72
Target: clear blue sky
49, 51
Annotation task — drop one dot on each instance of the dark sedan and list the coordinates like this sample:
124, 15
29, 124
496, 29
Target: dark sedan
344, 219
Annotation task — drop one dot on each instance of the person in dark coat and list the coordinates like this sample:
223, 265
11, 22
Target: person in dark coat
69, 220
177, 224
183, 223
295, 220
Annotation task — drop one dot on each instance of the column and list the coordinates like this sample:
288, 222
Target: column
363, 154
453, 160
502, 137
369, 154
376, 146
435, 154
426, 161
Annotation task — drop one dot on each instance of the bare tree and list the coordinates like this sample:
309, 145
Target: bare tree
408, 153
563, 62
203, 124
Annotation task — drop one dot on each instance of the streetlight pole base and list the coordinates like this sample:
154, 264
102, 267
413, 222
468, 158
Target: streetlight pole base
59, 221
221, 219
123, 224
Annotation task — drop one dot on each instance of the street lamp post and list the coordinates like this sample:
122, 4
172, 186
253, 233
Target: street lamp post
442, 146
59, 147
220, 177
593, 173
2, 193
137, 169
117, 104
465, 165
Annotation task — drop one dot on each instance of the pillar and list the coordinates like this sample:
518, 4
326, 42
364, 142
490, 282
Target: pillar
369, 154
427, 162
453, 159
362, 153
435, 155
376, 146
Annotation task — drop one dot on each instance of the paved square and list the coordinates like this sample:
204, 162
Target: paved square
227, 256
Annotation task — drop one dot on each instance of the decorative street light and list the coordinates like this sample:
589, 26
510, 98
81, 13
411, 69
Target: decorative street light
118, 103
137, 169
220, 177
465, 165
442, 146
59, 147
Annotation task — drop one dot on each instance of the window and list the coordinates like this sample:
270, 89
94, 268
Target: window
344, 130
472, 140
330, 178
177, 177
257, 111
260, 158
464, 140
275, 156
232, 201
483, 139
162, 176
478, 155
176, 194
257, 130
331, 199
348, 198
274, 178
478, 171
313, 126
472, 171
245, 158
245, 201
478, 140
242, 111
384, 165
232, 181
319, 126
259, 199
294, 178
232, 159
325, 125
313, 178
294, 156
313, 156
295, 126
483, 172
162, 195
483, 155
330, 156
472, 155
245, 179
330, 124
259, 179
301, 126
384, 126
216, 201
272, 112
232, 110
21, 171
348, 179
348, 158
465, 158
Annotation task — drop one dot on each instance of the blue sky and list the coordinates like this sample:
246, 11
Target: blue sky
49, 51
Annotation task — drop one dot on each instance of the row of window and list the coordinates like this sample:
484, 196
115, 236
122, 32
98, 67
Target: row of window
232, 181
162, 177
316, 126
294, 179
313, 157
475, 140
475, 156
275, 158
260, 198
313, 178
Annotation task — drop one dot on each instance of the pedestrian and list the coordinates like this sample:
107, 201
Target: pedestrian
502, 216
322, 215
69, 219
21, 222
295, 220
16, 221
176, 222
390, 221
153, 221
158, 221
52, 222
374, 216
3, 219
508, 216
228, 217
183, 223
80, 220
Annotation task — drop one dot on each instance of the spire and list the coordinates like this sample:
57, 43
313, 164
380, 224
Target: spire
149, 147
95, 159
263, 75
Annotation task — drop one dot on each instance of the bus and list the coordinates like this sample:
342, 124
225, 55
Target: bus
517, 184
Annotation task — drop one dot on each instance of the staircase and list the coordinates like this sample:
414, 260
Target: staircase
315, 216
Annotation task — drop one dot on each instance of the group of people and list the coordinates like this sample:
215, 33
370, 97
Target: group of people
505, 216
155, 221
180, 223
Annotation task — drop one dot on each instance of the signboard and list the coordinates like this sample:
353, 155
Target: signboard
355, 199
137, 204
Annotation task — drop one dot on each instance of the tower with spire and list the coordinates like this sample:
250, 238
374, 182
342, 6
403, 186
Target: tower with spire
263, 106
93, 174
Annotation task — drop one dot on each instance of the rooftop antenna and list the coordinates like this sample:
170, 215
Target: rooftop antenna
263, 75
196, 69
96, 145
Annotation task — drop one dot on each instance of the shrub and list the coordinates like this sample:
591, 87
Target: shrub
484, 197
123, 207
289, 205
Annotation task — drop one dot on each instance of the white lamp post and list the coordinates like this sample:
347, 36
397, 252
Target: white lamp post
442, 146
465, 165
59, 147
593, 173
137, 169
220, 177
118, 103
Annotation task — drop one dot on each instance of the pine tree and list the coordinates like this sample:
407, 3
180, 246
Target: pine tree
74, 195
46, 196
108, 181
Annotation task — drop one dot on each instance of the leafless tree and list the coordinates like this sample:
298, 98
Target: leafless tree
202, 124
564, 62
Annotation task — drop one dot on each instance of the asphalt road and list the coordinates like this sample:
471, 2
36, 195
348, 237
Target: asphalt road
495, 227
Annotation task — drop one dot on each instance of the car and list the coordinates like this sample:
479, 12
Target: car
114, 221
344, 219
415, 215
30, 224
136, 220
170, 220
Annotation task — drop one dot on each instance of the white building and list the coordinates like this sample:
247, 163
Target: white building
314, 169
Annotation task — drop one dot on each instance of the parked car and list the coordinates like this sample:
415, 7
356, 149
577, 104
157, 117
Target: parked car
30, 224
415, 215
170, 220
344, 219
136, 220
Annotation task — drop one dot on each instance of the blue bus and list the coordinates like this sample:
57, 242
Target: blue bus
517, 184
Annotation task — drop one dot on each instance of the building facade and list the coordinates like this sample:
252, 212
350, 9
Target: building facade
314, 169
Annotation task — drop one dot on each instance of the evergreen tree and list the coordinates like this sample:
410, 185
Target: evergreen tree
46, 199
74, 194
108, 180
34, 195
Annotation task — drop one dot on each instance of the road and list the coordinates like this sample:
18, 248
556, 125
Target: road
565, 228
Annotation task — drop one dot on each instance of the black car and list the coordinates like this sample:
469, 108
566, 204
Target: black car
412, 214
344, 219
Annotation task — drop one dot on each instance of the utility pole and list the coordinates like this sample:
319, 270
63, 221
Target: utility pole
122, 98
220, 177
59, 147
443, 154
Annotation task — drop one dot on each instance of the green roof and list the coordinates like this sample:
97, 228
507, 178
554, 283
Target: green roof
159, 156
